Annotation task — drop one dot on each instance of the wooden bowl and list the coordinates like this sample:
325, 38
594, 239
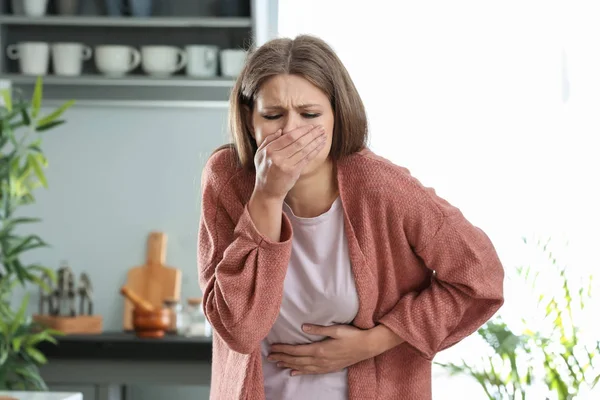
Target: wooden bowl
151, 324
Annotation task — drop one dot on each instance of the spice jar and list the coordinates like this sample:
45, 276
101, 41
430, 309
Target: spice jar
177, 316
198, 324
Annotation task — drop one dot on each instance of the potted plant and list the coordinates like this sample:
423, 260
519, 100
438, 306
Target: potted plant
22, 164
548, 353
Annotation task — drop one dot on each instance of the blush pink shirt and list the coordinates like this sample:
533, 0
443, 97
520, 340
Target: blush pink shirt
318, 288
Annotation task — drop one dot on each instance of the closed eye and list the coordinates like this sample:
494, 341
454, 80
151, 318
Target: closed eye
311, 115
271, 117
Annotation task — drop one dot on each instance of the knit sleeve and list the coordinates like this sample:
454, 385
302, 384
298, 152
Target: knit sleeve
467, 282
241, 272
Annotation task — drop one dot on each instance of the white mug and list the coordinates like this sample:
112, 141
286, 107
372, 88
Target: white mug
162, 60
35, 8
17, 7
116, 60
34, 57
67, 58
232, 62
202, 61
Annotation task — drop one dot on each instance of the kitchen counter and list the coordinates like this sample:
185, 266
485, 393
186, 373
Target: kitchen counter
41, 395
106, 363
127, 346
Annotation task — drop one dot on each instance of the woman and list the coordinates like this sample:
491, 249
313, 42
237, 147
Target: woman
327, 271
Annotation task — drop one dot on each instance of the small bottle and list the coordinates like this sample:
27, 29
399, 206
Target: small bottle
198, 324
172, 305
178, 316
183, 319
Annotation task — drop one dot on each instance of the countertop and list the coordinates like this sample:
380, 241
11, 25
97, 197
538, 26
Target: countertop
127, 346
42, 395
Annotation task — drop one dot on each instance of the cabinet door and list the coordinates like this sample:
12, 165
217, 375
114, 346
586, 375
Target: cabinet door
88, 391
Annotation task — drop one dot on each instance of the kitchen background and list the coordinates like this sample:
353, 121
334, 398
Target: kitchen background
501, 122
129, 159
115, 175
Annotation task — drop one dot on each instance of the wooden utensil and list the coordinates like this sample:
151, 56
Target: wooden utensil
152, 281
151, 324
136, 300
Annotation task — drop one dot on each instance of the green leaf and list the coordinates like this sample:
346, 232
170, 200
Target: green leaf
39, 281
7, 99
37, 168
595, 381
25, 115
44, 336
36, 355
49, 126
17, 125
4, 352
19, 317
36, 99
11, 136
54, 332
16, 343
10, 224
53, 116
16, 111
44, 270
35, 146
28, 243
31, 377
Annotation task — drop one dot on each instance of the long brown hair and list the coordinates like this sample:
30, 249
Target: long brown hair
315, 61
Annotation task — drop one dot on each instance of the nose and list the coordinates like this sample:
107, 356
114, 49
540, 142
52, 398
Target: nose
291, 121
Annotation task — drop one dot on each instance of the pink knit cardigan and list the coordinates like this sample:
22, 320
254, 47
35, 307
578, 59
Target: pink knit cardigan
420, 268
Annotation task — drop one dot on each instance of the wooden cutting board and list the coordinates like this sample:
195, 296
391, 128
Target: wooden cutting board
153, 281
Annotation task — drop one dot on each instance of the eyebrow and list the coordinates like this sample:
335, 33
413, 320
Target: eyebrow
279, 107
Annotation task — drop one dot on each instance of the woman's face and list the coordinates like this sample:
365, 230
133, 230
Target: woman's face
288, 102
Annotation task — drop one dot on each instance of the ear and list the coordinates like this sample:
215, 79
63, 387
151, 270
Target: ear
247, 114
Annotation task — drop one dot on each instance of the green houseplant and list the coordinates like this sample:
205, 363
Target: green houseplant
548, 349
22, 166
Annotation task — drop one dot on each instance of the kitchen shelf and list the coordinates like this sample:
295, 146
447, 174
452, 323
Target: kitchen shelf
177, 23
93, 90
127, 22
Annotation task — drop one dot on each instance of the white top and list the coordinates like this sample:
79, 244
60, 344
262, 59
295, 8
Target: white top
318, 289
42, 395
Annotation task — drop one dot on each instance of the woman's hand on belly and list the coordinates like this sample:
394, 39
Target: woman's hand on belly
345, 345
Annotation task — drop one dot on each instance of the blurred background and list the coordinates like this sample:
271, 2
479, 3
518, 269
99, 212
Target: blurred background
494, 104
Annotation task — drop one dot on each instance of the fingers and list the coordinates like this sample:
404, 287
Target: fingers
308, 150
291, 137
312, 371
302, 369
270, 139
330, 331
293, 350
296, 373
308, 153
296, 148
304, 140
306, 369
293, 360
